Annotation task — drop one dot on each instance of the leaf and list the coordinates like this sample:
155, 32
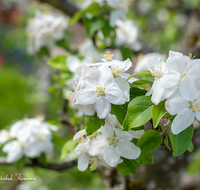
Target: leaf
181, 142
67, 147
127, 167
21, 162
126, 53
139, 82
93, 123
145, 159
149, 141
42, 158
145, 73
158, 111
139, 112
76, 17
166, 142
94, 24
120, 112
58, 62
190, 147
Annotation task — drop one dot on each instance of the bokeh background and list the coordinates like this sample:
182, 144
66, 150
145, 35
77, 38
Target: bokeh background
27, 83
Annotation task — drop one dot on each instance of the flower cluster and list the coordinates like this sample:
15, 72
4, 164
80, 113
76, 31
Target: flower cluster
106, 146
29, 137
44, 30
101, 84
177, 80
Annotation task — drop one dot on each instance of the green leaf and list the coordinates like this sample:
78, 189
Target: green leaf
190, 147
149, 141
76, 17
145, 73
94, 9
145, 159
93, 123
139, 82
126, 53
94, 24
127, 167
120, 111
158, 111
58, 62
21, 163
67, 147
44, 51
139, 112
42, 158
181, 142
166, 142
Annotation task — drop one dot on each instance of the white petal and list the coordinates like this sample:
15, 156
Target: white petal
182, 121
99, 147
127, 149
124, 86
83, 160
187, 88
158, 92
102, 107
86, 97
136, 134
4, 136
88, 109
170, 79
114, 94
197, 115
111, 157
175, 105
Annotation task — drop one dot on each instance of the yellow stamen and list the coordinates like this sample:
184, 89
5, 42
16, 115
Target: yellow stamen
156, 72
100, 90
191, 57
69, 95
195, 106
108, 56
112, 141
115, 70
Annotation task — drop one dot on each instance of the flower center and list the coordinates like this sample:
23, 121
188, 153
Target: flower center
69, 95
41, 137
183, 75
195, 105
112, 141
108, 56
100, 90
115, 70
21, 144
156, 72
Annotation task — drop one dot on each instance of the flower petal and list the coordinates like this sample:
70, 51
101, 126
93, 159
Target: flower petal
131, 151
99, 147
182, 121
86, 97
103, 107
83, 160
111, 157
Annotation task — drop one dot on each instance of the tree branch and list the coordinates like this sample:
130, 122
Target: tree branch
50, 166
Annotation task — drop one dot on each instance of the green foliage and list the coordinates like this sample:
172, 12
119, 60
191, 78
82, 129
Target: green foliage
127, 167
181, 142
21, 163
120, 111
150, 141
93, 123
68, 147
158, 111
139, 112
58, 62
145, 73
126, 52
145, 159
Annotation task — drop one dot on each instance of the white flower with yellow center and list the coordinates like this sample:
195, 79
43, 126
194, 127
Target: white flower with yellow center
113, 145
4, 136
166, 81
101, 92
188, 71
186, 111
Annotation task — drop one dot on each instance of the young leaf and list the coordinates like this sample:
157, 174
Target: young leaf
166, 142
145, 73
120, 111
158, 111
127, 167
93, 123
181, 142
139, 112
58, 62
126, 53
134, 92
150, 141
190, 147
145, 159
67, 147
140, 82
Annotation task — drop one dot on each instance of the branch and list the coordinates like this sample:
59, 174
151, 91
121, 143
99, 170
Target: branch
50, 166
64, 5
